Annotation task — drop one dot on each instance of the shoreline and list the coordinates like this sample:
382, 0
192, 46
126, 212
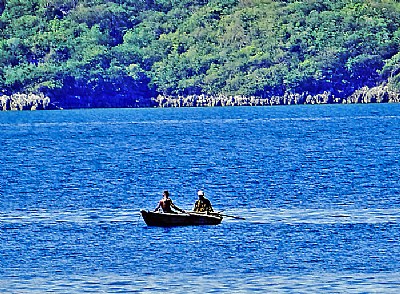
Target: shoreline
380, 94
21, 101
365, 95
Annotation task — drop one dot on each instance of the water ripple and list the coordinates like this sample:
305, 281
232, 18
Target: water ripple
221, 283
318, 188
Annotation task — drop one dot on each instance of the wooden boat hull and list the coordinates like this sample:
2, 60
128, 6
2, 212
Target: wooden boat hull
179, 219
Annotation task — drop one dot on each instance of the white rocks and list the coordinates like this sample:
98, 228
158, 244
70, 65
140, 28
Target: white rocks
24, 102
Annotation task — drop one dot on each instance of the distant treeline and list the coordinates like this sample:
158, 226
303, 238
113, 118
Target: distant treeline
137, 49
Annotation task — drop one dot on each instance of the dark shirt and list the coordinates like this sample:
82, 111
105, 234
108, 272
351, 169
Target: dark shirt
203, 205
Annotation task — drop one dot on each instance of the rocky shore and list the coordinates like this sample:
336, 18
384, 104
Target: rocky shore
381, 94
25, 102
41, 102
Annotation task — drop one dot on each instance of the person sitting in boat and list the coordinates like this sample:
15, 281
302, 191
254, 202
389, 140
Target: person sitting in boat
202, 204
166, 204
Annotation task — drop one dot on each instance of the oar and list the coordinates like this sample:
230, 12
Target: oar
215, 214
232, 216
227, 215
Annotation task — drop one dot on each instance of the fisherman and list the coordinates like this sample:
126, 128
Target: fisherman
166, 204
202, 204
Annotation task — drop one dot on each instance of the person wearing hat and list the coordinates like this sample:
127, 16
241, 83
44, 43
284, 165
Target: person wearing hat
166, 204
202, 204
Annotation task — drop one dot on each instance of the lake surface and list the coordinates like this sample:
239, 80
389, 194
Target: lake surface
318, 186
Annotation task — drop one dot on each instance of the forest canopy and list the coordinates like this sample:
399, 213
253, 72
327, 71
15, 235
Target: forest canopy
230, 47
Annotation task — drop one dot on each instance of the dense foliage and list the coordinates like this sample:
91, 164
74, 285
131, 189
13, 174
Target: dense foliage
246, 47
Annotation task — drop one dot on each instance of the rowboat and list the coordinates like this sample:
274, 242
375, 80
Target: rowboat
161, 219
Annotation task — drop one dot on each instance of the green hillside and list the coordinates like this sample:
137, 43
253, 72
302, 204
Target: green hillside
218, 47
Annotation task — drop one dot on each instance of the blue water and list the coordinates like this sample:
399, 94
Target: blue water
318, 186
